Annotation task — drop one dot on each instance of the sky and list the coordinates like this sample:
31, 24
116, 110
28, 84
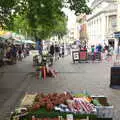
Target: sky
71, 17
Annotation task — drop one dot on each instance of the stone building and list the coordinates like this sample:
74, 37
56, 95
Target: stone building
102, 23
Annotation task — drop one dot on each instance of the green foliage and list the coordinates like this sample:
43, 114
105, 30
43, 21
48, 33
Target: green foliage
79, 6
20, 24
60, 29
41, 18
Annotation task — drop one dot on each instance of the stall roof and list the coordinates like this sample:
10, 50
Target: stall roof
2, 38
29, 42
25, 41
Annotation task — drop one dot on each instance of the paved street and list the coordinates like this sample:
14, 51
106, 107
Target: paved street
18, 79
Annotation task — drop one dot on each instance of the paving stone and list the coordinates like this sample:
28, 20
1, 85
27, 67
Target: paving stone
93, 77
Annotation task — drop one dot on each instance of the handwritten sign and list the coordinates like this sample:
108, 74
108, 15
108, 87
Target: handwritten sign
75, 55
69, 117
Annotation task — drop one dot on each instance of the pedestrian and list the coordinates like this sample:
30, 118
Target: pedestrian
52, 51
69, 50
57, 52
85, 48
14, 53
8, 52
63, 50
93, 52
1, 54
19, 54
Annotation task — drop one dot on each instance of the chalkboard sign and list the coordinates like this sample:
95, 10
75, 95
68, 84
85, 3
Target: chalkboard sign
75, 55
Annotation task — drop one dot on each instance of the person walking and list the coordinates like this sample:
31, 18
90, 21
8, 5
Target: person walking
63, 50
19, 54
1, 54
93, 52
52, 51
14, 53
57, 52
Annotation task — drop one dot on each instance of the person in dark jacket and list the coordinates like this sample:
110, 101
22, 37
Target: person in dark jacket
52, 51
14, 53
57, 52
63, 50
20, 54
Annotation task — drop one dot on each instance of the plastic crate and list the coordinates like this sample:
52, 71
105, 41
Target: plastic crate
106, 110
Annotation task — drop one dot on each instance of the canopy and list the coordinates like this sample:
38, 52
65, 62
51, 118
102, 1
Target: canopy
29, 42
2, 38
24, 42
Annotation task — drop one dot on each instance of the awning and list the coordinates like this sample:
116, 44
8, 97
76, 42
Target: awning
5, 35
29, 42
2, 38
24, 42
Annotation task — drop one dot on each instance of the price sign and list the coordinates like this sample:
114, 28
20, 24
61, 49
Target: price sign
69, 117
75, 55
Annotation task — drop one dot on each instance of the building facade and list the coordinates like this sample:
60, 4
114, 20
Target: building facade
102, 23
83, 37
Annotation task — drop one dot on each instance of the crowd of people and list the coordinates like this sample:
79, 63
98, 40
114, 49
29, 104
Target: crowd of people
94, 52
10, 53
107, 50
59, 50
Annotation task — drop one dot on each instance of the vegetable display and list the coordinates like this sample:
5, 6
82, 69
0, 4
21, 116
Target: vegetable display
53, 105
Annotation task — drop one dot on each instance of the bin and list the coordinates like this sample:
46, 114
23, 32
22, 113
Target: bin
115, 77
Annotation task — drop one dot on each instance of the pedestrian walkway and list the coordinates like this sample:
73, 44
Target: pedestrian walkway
13, 81
93, 77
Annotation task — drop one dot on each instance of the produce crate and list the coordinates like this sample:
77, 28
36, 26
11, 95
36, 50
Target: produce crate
106, 110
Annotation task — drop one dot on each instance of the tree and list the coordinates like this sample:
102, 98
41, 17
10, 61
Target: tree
61, 29
20, 23
41, 18
79, 6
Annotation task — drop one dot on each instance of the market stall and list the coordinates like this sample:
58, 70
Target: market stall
63, 106
43, 65
84, 56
